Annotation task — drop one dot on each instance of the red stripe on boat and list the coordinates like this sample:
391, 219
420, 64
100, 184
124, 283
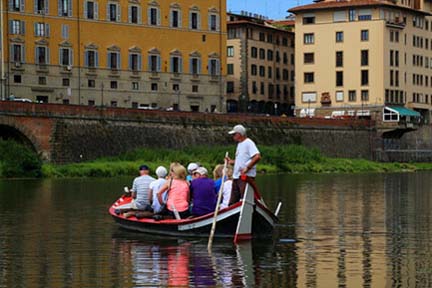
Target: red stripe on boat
242, 237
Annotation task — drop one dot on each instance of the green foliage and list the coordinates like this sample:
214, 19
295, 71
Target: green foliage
17, 160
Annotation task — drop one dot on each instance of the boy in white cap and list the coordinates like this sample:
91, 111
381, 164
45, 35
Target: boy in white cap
155, 186
246, 157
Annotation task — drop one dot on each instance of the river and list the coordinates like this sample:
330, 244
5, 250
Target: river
335, 230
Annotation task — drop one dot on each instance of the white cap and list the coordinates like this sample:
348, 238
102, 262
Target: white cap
238, 129
192, 167
201, 171
161, 172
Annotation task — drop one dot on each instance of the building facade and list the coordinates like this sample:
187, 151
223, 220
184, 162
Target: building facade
260, 67
136, 54
364, 58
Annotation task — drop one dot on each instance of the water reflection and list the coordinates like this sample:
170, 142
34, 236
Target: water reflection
156, 261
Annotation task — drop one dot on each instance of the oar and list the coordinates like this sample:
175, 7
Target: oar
213, 229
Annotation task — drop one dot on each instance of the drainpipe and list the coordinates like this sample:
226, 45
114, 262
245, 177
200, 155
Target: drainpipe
2, 75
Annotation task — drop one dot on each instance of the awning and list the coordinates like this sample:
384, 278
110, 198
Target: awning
404, 111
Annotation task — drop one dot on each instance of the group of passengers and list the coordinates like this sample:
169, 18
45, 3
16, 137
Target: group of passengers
182, 193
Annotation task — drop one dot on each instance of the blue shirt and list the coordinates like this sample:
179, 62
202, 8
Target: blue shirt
203, 196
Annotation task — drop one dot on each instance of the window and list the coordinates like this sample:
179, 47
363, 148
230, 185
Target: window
309, 19
65, 8
270, 90
176, 64
91, 83
91, 59
135, 62
195, 66
308, 77
113, 103
113, 12
65, 31
41, 6
270, 72
154, 87
285, 58
42, 80
134, 14
262, 54
364, 35
213, 67
91, 103
364, 58
42, 29
339, 58
65, 56
269, 38
230, 87
113, 60
308, 38
254, 52
175, 87
230, 69
352, 14
154, 16
339, 16
66, 82
339, 96
365, 17
113, 84
262, 71
194, 21
17, 78
352, 95
253, 70
397, 58
269, 55
16, 5
175, 18
364, 95
42, 55
91, 10
339, 78
339, 36
262, 88
230, 51
154, 63
16, 27
261, 37
213, 22
285, 74
309, 97
195, 88
364, 77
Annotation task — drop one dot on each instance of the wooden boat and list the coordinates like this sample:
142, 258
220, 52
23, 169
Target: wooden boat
249, 218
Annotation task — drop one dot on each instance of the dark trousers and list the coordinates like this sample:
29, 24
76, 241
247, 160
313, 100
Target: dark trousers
238, 189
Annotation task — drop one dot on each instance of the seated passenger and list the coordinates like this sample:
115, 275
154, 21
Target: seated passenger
202, 193
191, 168
226, 192
217, 176
155, 186
178, 193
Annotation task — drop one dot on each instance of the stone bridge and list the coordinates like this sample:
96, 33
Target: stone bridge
69, 133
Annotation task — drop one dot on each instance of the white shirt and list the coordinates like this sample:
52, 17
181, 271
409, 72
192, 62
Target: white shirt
244, 154
155, 187
226, 194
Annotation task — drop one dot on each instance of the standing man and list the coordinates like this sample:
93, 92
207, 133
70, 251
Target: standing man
246, 157
141, 189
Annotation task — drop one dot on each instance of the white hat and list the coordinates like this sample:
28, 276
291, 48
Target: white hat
238, 129
201, 171
192, 167
161, 172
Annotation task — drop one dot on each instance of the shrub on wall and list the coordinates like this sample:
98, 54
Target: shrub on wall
17, 160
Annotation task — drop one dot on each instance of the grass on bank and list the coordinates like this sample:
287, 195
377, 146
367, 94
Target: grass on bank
275, 159
17, 160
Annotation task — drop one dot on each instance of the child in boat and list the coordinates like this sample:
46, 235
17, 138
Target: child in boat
155, 186
178, 193
202, 193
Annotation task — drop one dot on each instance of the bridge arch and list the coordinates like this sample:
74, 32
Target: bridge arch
9, 131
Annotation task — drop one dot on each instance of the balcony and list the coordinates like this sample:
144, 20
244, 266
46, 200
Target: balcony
395, 23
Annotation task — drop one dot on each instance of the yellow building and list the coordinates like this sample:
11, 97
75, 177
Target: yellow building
139, 54
260, 71
364, 58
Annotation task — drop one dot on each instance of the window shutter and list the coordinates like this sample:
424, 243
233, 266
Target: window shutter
35, 7
199, 66
85, 10
158, 63
36, 55
60, 56
171, 18
46, 7
118, 61
118, 13
22, 5
96, 59
70, 56
209, 66
22, 27
47, 30
109, 60
108, 12
190, 65
139, 62
23, 60
217, 22
130, 14
10, 5
179, 18
149, 63
11, 53
172, 64
218, 67
96, 10
209, 21
59, 7
47, 55
158, 14
10, 26
130, 62
199, 21
70, 3
86, 56
190, 20
139, 15
180, 65
149, 16
35, 28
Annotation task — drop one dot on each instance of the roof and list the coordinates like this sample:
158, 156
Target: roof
269, 26
404, 111
350, 3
